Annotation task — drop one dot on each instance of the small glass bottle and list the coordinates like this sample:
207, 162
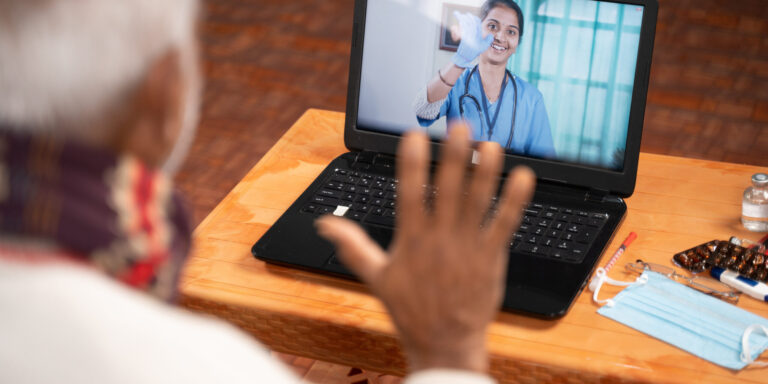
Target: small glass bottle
754, 206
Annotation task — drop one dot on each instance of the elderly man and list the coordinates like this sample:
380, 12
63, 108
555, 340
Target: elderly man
97, 106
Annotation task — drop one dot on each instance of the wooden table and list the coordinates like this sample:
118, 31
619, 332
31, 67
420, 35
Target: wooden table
678, 203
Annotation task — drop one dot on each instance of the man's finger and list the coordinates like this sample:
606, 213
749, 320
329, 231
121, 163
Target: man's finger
483, 186
413, 174
518, 191
354, 247
449, 180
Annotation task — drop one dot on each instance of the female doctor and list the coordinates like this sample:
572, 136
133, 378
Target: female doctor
498, 105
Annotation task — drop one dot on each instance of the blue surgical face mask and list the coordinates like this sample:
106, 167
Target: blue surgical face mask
688, 319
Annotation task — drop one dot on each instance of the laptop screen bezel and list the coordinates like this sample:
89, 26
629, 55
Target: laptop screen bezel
620, 183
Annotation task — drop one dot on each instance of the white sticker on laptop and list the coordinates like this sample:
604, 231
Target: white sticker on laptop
340, 210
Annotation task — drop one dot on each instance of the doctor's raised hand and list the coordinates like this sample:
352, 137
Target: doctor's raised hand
472, 43
442, 278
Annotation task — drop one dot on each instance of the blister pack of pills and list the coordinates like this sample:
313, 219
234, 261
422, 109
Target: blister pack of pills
748, 262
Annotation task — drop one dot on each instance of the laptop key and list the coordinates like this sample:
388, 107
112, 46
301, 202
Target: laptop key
309, 208
586, 236
594, 222
558, 254
581, 248
330, 193
525, 247
541, 250
575, 255
580, 220
324, 200
361, 207
531, 212
354, 215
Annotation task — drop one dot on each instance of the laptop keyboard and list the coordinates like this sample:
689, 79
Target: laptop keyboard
547, 231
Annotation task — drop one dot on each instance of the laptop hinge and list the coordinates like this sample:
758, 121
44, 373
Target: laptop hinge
367, 159
596, 195
602, 196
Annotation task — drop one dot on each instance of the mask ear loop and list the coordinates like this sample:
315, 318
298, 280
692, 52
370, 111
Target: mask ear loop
601, 277
746, 355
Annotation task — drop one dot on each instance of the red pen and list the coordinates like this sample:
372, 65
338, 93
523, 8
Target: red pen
630, 238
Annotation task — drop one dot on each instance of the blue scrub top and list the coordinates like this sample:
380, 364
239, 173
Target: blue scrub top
532, 135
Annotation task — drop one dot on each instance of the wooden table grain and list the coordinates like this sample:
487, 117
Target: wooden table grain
678, 203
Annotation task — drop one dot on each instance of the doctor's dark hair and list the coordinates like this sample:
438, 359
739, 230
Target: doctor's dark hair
491, 4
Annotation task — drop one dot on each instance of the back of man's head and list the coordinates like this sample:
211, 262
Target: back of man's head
67, 67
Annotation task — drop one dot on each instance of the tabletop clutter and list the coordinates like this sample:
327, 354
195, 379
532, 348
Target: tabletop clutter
696, 313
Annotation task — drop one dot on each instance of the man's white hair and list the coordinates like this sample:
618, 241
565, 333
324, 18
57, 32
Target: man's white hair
66, 65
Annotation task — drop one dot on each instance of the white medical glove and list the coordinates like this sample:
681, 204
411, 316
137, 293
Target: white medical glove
472, 41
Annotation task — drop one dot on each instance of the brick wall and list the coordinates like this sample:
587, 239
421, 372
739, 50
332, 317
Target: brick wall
708, 96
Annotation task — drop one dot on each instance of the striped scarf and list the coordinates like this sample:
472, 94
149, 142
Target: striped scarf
110, 212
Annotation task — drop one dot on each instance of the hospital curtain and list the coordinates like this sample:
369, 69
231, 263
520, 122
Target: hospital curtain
581, 55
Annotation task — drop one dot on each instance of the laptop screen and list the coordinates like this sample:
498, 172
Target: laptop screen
546, 79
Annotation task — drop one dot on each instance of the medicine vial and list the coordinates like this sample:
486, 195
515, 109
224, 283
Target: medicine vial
754, 206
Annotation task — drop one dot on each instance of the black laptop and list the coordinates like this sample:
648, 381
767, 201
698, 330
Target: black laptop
584, 63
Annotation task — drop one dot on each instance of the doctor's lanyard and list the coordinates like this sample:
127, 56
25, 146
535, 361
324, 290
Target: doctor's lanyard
491, 124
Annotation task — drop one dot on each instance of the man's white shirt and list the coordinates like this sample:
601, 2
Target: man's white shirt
64, 323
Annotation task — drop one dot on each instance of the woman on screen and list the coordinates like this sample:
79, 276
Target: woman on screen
498, 105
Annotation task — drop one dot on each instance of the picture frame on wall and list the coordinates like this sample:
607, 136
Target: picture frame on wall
450, 34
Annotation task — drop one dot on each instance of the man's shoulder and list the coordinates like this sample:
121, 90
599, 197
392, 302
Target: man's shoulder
81, 315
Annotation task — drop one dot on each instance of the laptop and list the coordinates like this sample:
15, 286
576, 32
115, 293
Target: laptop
584, 63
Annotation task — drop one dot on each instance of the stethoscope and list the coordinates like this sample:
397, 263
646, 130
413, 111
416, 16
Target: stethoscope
491, 123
